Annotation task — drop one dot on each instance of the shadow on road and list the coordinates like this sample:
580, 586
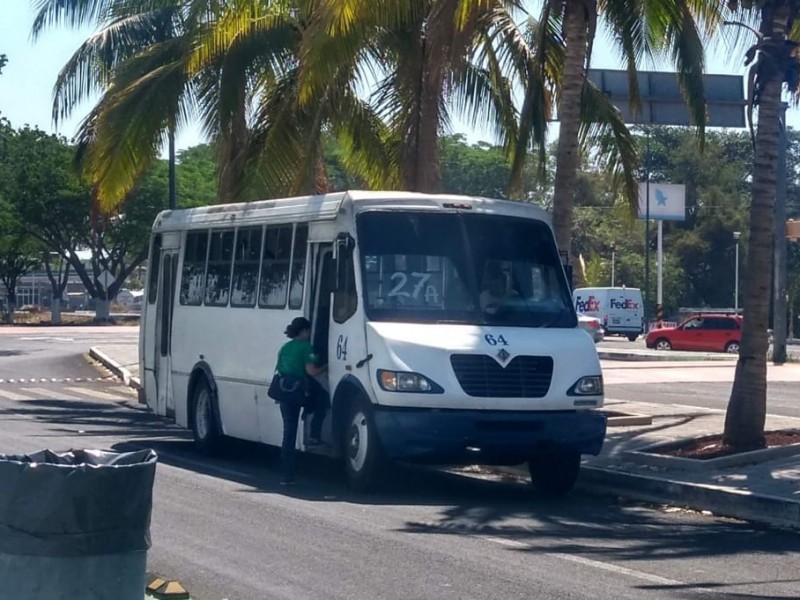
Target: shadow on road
597, 527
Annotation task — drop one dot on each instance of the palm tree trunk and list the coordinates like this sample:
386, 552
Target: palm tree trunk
233, 143
420, 150
569, 106
744, 421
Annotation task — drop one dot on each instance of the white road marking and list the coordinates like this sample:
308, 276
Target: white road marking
54, 394
45, 337
4, 393
86, 391
596, 564
611, 568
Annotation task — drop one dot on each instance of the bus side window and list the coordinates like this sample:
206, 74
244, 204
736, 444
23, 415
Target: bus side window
275, 266
218, 273
246, 260
345, 299
194, 268
152, 265
298, 267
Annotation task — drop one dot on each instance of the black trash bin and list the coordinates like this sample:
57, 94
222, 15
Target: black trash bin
75, 525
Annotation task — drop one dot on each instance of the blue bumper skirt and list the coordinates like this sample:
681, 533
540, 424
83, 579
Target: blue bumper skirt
486, 437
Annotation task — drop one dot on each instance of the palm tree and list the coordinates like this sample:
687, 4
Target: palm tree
541, 74
426, 60
668, 28
774, 62
159, 63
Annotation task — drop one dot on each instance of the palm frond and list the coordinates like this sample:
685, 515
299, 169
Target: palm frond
89, 69
126, 133
616, 146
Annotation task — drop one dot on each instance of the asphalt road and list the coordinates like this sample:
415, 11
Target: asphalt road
783, 397
227, 530
54, 352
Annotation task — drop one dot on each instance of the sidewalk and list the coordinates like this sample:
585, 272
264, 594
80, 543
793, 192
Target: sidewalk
765, 489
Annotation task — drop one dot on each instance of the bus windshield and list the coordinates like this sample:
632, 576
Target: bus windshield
425, 267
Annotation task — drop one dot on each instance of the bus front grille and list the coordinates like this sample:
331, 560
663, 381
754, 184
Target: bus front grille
483, 377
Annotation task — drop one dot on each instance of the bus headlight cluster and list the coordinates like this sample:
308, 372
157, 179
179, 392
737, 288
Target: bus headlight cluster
406, 381
591, 385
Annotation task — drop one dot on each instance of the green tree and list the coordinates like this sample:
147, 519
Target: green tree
475, 170
19, 254
58, 209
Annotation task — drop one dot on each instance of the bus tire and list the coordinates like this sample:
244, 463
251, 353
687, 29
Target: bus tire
363, 456
205, 428
555, 474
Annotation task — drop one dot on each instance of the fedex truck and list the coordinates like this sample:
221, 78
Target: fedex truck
620, 309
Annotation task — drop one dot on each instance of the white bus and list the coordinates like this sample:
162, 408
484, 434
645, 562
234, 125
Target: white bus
446, 323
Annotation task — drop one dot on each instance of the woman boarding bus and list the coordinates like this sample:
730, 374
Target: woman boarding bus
421, 367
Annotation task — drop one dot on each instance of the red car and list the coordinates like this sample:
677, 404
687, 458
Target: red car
709, 332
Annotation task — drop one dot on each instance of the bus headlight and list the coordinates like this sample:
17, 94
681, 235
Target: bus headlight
405, 381
591, 385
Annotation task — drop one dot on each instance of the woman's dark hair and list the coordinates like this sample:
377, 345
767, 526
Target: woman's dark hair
297, 326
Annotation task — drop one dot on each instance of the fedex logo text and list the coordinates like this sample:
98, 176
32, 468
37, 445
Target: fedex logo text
591, 304
626, 304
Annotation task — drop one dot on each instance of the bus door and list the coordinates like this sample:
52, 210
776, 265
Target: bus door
347, 345
165, 404
323, 291
322, 294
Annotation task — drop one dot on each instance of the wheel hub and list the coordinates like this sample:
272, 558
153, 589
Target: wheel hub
202, 415
359, 442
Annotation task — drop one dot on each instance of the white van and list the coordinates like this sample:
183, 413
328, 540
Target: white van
620, 309
445, 322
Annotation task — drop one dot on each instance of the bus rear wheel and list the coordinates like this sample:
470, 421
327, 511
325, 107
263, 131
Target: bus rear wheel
363, 457
205, 429
555, 474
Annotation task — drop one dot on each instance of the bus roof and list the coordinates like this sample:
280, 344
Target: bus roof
326, 207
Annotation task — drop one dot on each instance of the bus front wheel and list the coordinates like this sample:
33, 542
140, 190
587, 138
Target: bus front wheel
363, 458
555, 474
204, 420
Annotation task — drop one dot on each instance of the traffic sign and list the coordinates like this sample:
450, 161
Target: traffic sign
105, 278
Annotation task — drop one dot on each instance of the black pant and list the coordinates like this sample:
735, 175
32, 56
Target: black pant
290, 411
317, 405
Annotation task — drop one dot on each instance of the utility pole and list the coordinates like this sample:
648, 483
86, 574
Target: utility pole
647, 223
173, 201
779, 294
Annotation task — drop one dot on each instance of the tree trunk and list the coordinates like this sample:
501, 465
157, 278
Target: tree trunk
744, 421
569, 108
102, 310
11, 298
55, 311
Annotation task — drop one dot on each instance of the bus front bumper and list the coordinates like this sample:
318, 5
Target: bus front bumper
486, 437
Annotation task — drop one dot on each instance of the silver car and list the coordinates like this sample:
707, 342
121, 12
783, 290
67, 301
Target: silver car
592, 326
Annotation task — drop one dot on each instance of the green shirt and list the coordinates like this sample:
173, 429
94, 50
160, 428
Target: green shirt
294, 356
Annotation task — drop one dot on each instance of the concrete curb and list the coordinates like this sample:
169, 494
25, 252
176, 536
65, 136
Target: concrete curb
116, 368
662, 356
722, 501
648, 456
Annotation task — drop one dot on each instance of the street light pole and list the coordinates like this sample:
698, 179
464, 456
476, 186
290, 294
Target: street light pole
613, 261
736, 235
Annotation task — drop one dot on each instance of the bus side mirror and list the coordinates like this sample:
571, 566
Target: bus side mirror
343, 250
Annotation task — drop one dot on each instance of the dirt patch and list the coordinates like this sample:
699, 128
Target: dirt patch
709, 447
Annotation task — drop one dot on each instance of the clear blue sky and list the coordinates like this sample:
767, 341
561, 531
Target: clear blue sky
27, 81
